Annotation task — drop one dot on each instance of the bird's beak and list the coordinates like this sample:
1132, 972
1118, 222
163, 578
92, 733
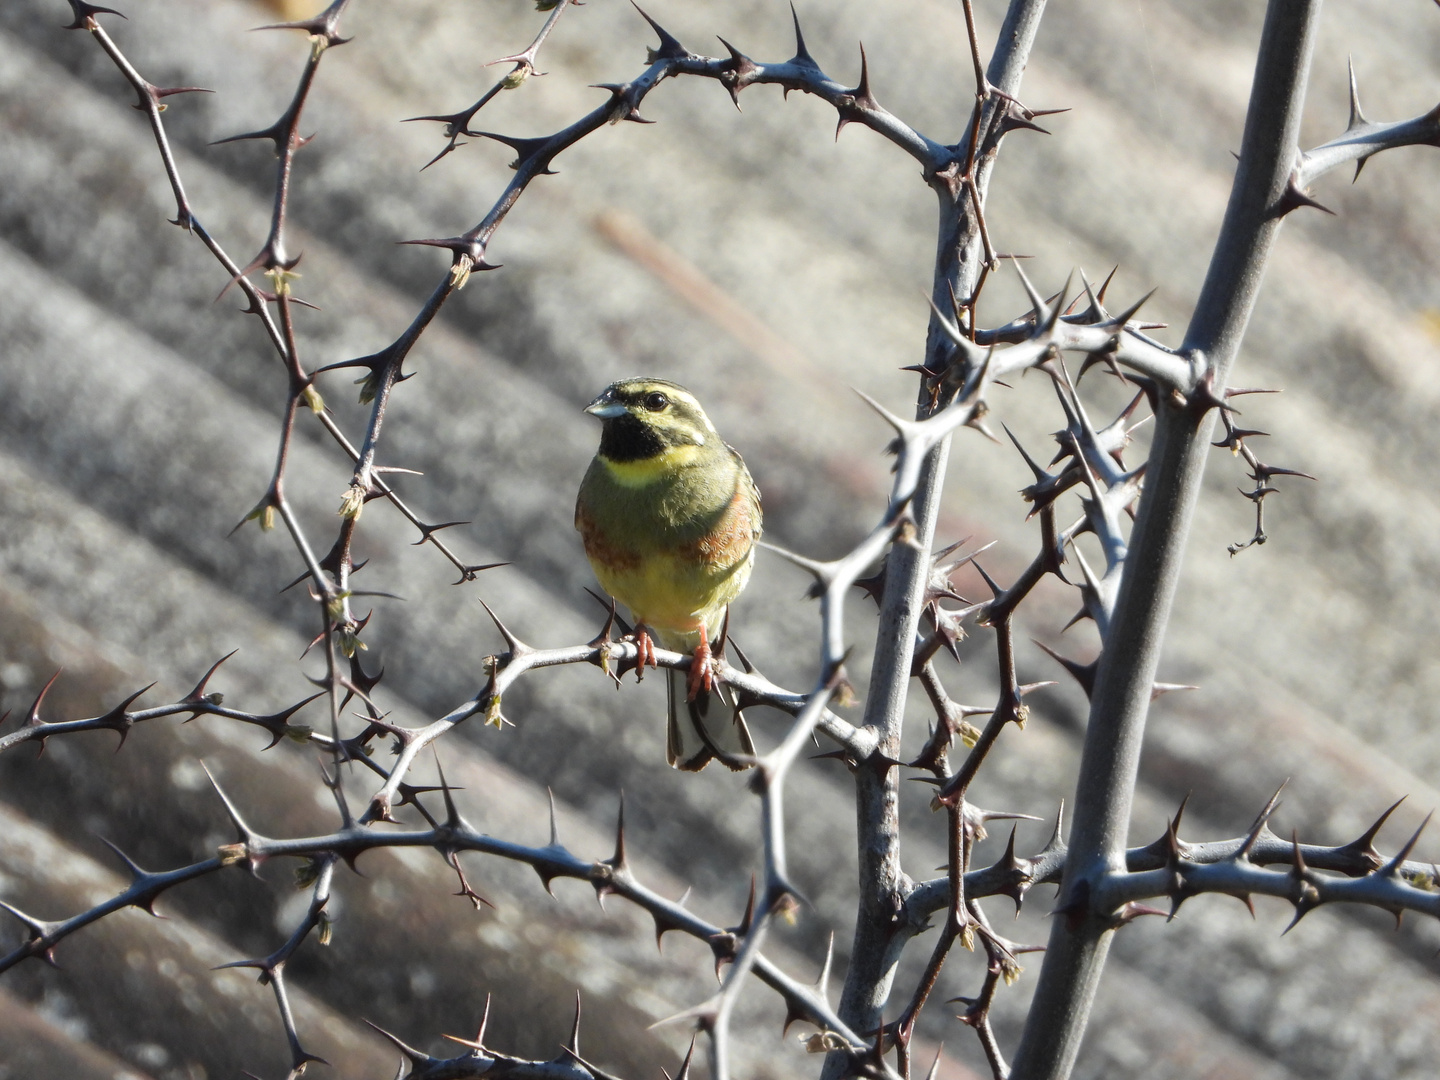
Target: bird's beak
606, 408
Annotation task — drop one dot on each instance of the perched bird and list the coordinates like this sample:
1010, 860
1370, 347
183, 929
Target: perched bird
669, 517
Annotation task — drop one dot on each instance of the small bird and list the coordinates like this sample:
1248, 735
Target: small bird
669, 517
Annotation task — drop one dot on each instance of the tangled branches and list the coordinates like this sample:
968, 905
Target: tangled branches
1124, 586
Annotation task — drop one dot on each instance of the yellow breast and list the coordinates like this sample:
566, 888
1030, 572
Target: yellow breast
643, 473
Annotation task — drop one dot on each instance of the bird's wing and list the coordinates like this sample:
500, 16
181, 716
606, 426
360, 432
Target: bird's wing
751, 490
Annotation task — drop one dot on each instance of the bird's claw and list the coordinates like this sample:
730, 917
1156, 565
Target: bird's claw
702, 671
644, 651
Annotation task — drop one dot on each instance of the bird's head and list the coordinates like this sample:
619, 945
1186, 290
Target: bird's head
647, 418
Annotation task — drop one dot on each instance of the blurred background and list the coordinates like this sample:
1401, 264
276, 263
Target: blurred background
770, 268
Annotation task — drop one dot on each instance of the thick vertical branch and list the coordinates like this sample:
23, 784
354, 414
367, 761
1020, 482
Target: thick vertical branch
879, 929
1081, 934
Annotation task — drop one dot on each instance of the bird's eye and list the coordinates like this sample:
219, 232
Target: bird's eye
656, 401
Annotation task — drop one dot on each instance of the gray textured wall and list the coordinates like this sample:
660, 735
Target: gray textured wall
137, 424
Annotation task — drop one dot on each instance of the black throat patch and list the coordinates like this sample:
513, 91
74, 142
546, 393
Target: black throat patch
625, 438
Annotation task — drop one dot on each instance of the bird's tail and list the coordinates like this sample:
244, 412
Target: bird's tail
705, 728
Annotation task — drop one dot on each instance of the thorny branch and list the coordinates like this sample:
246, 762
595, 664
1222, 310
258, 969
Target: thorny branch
1261, 473
1355, 872
457, 125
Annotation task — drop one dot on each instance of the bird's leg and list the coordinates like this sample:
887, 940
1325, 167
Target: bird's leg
702, 671
644, 650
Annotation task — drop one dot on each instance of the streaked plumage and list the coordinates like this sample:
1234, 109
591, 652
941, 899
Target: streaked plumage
669, 517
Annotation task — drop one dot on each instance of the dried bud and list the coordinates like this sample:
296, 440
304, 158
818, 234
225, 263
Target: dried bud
280, 279
546, 5
298, 732
313, 399
369, 387
318, 44
460, 270
1022, 713
619, 109
516, 77
230, 854
967, 937
324, 928
306, 874
1010, 970
823, 1042
352, 502
968, 732
492, 713
264, 512
350, 642
787, 908
217, 698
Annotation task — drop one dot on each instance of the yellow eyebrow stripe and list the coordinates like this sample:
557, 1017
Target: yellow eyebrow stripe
643, 473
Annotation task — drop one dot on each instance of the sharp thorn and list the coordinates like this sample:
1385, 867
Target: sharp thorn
1260, 823
802, 54
1357, 117
1393, 866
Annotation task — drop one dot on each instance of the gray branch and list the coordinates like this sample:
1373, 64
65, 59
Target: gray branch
1125, 679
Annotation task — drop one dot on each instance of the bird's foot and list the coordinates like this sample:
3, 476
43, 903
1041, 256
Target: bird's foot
644, 651
703, 675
